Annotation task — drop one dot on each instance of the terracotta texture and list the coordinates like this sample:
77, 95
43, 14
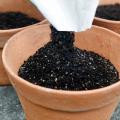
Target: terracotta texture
23, 6
110, 24
3, 76
41, 103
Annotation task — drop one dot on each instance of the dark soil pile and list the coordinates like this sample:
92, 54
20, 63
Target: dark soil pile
110, 12
60, 65
11, 20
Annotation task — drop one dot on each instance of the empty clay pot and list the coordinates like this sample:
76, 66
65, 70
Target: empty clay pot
110, 24
23, 6
41, 103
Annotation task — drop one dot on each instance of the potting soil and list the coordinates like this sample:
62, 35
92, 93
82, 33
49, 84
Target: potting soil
110, 12
11, 20
62, 66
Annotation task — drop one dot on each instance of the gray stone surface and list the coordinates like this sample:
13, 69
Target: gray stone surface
10, 108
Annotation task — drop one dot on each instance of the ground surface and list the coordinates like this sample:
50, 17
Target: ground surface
10, 108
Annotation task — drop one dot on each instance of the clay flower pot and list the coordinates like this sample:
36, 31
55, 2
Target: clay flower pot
110, 24
23, 6
41, 103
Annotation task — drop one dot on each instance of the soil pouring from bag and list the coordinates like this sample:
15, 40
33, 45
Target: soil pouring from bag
12, 20
62, 66
110, 12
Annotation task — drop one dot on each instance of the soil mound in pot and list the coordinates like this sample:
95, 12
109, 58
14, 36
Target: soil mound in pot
60, 65
110, 12
11, 20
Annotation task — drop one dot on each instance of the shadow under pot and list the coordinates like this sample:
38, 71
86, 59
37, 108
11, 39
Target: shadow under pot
108, 14
51, 104
15, 15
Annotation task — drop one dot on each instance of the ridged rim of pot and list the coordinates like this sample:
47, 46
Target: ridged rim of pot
22, 28
83, 92
107, 21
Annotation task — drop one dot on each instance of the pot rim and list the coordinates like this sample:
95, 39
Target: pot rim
54, 91
22, 28
107, 21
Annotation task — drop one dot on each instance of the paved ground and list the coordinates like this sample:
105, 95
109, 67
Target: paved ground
10, 108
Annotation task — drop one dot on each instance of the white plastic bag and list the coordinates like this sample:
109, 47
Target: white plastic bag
68, 15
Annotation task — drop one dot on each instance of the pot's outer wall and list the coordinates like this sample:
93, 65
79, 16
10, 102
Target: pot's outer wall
112, 25
3, 77
47, 104
23, 6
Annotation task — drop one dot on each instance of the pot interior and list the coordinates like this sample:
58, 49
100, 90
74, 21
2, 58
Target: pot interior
105, 2
26, 43
23, 6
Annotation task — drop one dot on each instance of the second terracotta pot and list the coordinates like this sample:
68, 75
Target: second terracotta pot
23, 6
41, 103
110, 24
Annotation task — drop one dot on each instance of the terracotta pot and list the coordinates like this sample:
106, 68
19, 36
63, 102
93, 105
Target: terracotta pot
110, 24
41, 103
23, 6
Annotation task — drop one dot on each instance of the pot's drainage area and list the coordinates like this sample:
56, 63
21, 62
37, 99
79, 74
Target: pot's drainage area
60, 65
110, 12
12, 20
